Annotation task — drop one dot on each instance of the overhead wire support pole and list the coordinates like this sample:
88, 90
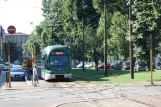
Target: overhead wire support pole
151, 60
105, 42
131, 42
52, 35
83, 42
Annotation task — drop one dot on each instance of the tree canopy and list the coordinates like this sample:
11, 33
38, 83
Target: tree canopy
62, 24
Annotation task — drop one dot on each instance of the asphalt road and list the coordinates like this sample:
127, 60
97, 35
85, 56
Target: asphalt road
2, 78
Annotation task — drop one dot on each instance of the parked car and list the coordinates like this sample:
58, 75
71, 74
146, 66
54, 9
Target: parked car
158, 65
16, 66
1, 68
101, 66
80, 65
140, 66
17, 73
116, 65
126, 65
89, 64
16, 62
5, 66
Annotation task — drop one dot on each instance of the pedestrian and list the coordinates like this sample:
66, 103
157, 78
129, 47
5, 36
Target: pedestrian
35, 76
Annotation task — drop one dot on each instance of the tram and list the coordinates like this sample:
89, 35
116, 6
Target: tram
56, 63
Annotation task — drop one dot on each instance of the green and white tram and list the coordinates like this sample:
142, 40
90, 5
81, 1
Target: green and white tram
56, 63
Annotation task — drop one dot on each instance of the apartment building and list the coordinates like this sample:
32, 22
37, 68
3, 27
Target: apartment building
19, 38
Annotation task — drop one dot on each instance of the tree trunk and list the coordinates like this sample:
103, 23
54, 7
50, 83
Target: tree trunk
95, 59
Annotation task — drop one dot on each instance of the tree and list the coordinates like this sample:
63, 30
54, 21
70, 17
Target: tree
119, 41
147, 22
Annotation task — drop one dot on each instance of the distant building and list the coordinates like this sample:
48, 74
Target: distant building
19, 38
2, 35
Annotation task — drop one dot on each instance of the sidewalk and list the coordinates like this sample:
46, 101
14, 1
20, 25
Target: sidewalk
2, 79
14, 84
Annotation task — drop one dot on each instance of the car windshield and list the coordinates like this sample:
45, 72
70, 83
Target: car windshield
59, 60
113, 63
16, 66
16, 70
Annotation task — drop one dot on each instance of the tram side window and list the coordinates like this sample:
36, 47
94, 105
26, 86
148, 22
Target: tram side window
45, 63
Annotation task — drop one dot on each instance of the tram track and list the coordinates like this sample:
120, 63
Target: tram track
83, 92
95, 101
83, 99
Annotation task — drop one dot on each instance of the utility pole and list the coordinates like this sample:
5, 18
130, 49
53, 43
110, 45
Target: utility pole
52, 35
131, 42
105, 42
83, 41
151, 59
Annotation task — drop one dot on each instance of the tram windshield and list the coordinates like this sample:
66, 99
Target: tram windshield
58, 60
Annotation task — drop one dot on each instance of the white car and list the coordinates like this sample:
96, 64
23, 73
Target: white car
16, 66
6, 67
17, 73
89, 65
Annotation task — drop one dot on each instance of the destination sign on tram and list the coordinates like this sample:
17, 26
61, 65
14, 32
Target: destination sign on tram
58, 53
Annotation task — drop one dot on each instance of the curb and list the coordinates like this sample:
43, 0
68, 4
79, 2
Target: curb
7, 88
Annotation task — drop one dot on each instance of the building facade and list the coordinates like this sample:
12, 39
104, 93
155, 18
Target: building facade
2, 35
19, 38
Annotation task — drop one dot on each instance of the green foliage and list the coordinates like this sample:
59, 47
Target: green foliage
147, 22
119, 41
62, 24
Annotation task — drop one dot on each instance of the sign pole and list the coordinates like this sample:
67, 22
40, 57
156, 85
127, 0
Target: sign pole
9, 53
11, 30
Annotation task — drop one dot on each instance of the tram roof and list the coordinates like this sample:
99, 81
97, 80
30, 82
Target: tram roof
49, 48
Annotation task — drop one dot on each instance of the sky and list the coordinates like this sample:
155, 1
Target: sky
21, 14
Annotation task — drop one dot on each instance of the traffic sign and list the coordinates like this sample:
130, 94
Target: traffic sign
132, 37
11, 29
149, 42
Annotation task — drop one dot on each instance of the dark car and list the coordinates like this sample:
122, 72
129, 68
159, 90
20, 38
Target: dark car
117, 65
126, 66
101, 66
